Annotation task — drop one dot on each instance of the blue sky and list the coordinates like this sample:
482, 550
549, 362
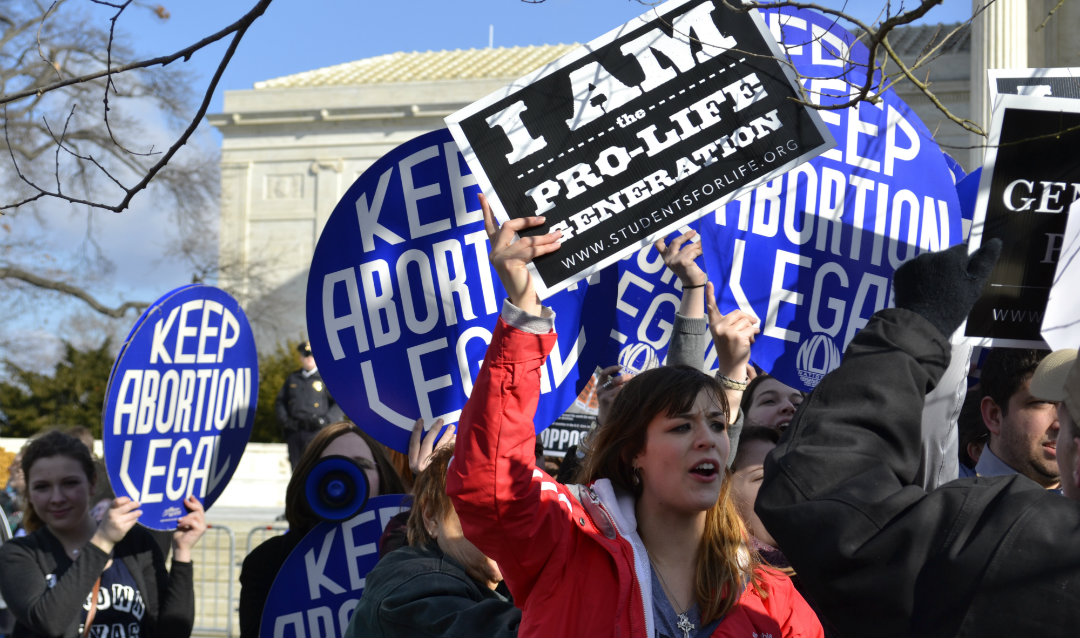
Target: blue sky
294, 35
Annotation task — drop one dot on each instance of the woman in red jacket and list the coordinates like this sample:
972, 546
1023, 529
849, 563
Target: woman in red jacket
652, 545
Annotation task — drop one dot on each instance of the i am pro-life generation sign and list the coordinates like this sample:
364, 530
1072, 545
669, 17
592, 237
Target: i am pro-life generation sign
180, 403
639, 132
1030, 185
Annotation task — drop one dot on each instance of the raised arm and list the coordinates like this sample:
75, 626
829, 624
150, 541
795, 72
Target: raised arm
506, 504
688, 341
732, 334
839, 493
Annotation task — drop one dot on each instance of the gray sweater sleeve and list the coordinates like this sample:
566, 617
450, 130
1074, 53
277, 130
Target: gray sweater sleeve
688, 342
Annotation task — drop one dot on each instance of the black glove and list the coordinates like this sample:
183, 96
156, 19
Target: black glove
943, 286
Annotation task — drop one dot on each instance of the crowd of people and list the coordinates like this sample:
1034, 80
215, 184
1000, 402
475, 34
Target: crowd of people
704, 503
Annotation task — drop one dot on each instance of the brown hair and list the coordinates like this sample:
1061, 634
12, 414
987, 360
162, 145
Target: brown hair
724, 561
298, 512
747, 401
52, 443
429, 497
751, 434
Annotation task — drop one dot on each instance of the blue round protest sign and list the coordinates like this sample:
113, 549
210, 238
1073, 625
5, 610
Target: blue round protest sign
318, 586
402, 301
637, 299
811, 253
180, 403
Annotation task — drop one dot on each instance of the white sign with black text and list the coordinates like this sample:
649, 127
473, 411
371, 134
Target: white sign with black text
1030, 187
639, 132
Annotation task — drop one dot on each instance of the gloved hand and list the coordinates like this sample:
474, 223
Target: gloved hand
943, 286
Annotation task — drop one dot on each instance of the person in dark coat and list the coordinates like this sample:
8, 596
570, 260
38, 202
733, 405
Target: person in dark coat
304, 405
261, 565
439, 584
882, 555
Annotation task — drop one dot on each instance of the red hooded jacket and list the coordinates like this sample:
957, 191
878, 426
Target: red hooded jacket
571, 556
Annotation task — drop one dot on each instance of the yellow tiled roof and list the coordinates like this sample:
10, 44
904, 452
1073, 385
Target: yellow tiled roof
427, 66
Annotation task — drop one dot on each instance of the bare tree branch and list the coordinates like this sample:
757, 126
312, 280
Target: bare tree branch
18, 274
143, 175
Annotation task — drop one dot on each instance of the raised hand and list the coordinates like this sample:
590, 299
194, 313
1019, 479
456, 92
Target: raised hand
420, 450
511, 258
608, 386
943, 286
733, 334
680, 256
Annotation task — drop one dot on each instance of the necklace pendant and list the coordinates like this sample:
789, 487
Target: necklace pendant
685, 625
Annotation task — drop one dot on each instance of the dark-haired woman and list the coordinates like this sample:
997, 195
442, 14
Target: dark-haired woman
262, 564
652, 545
732, 334
71, 570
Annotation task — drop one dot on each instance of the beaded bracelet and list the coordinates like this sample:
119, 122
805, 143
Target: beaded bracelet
732, 384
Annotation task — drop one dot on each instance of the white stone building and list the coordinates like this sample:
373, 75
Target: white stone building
293, 145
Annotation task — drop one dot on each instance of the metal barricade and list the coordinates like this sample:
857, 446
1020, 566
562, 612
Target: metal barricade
255, 537
214, 578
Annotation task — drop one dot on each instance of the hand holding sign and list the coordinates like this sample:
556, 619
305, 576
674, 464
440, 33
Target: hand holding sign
189, 529
121, 516
511, 258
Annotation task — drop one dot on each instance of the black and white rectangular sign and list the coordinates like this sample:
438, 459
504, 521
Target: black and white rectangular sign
638, 132
1030, 185
1061, 82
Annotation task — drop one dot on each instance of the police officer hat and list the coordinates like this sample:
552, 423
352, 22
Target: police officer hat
304, 348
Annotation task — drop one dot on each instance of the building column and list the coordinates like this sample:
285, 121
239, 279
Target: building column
234, 227
1058, 44
999, 40
328, 190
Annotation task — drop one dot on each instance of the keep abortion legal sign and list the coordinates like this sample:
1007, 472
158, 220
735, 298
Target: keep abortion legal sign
639, 132
812, 252
181, 402
402, 300
318, 586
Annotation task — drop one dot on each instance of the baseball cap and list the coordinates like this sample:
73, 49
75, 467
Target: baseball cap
1058, 379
